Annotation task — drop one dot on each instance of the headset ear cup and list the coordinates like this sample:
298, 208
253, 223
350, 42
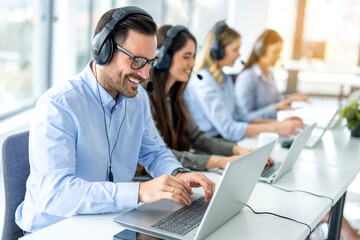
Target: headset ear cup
258, 48
105, 53
162, 52
221, 52
217, 51
213, 51
164, 63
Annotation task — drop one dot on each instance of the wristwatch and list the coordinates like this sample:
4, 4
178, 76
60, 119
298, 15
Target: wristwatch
180, 170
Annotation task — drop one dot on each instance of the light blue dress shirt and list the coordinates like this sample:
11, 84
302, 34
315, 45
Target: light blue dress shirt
213, 106
69, 158
256, 95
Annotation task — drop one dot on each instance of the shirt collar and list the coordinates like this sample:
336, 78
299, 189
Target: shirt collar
88, 77
259, 74
257, 70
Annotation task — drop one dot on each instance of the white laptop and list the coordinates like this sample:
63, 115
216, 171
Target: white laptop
318, 133
162, 219
272, 173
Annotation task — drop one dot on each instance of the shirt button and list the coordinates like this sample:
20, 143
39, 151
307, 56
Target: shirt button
110, 142
112, 102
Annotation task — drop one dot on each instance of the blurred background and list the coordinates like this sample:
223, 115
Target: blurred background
43, 42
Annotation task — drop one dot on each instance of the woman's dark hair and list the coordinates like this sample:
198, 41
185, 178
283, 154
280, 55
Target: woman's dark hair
174, 133
267, 38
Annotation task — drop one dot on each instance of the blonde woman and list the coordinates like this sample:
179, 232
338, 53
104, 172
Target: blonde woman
209, 94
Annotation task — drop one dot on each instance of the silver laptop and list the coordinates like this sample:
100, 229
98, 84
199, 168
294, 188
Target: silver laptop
272, 173
318, 133
170, 220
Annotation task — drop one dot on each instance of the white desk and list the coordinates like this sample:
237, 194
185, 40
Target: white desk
245, 225
336, 149
329, 176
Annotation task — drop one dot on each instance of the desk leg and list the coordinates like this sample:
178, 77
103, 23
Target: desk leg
335, 220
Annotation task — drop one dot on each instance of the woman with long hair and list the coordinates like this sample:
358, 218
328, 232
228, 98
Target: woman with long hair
177, 48
255, 89
209, 94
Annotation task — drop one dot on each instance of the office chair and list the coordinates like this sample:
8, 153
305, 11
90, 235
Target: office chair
16, 168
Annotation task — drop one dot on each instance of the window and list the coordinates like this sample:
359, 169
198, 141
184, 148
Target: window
329, 51
18, 20
332, 36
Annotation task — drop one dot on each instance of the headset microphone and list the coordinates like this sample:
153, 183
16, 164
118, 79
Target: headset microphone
149, 85
199, 76
242, 62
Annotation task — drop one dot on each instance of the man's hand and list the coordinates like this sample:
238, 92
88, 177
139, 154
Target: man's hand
196, 179
176, 188
165, 187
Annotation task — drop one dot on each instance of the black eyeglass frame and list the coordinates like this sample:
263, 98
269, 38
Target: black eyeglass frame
152, 62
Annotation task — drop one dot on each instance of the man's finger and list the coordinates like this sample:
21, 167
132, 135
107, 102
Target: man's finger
182, 183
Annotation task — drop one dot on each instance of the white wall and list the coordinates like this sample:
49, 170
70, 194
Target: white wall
249, 19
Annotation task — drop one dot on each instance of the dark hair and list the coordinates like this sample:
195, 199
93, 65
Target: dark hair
267, 38
174, 133
137, 22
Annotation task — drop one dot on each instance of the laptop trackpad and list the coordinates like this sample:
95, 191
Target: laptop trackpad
148, 214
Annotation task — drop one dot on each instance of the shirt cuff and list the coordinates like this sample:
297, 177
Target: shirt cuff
127, 195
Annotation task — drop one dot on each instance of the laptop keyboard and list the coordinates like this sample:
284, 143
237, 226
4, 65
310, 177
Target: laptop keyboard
185, 219
270, 169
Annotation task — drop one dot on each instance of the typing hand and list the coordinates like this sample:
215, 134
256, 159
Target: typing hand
298, 97
219, 161
165, 187
242, 151
270, 162
289, 126
237, 150
198, 179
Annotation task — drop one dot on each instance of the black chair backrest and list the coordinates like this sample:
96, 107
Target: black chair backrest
15, 157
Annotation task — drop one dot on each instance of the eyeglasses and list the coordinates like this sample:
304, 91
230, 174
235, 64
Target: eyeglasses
139, 62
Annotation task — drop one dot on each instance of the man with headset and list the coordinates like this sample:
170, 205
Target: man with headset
88, 133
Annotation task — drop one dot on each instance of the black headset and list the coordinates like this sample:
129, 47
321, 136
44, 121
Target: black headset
217, 50
102, 45
162, 52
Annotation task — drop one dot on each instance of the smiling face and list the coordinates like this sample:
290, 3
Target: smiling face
118, 76
231, 53
182, 62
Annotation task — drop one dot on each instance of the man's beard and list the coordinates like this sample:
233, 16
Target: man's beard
120, 87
